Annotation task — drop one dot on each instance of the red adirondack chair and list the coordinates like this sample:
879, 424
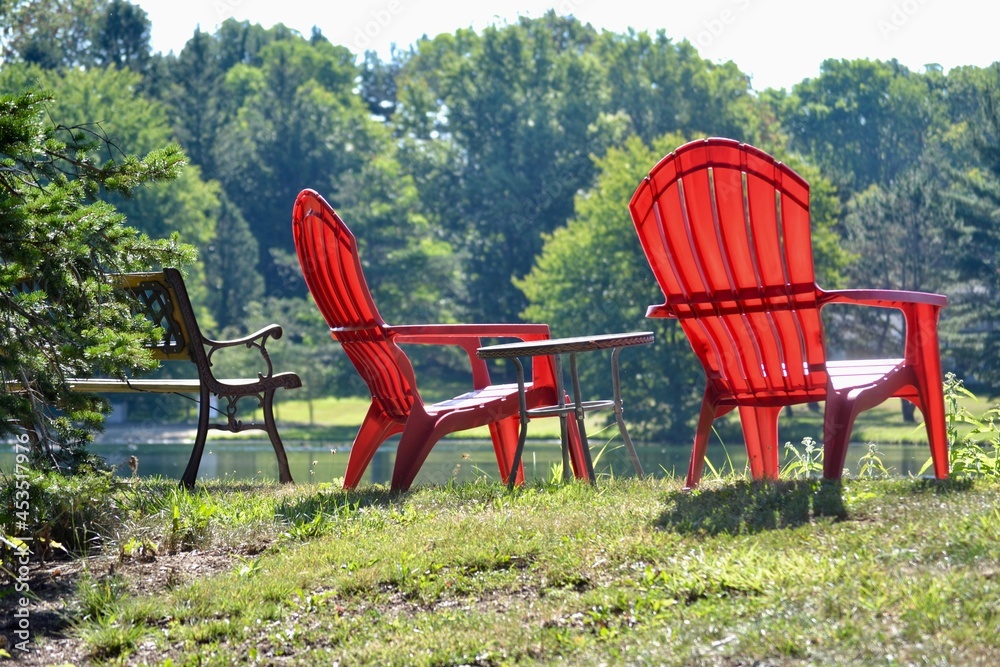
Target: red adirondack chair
725, 229
328, 255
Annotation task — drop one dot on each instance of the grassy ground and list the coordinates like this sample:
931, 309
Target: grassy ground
797, 572
628, 572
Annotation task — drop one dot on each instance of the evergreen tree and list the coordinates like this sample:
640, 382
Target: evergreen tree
978, 247
194, 99
127, 117
49, 33
297, 124
62, 315
231, 267
121, 37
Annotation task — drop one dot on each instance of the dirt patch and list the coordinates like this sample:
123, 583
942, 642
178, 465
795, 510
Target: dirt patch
53, 585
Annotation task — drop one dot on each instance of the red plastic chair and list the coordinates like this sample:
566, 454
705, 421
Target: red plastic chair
328, 254
725, 229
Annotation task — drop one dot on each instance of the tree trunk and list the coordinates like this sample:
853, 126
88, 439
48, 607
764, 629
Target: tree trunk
908, 411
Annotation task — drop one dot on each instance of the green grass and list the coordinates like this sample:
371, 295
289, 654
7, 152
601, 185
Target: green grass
871, 570
798, 572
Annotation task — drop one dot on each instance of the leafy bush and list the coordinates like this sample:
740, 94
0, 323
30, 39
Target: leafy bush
62, 512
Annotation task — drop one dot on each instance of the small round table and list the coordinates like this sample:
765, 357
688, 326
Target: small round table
578, 407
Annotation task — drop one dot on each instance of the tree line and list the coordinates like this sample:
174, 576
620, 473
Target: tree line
487, 174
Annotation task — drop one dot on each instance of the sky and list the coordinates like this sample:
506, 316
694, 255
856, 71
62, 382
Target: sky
777, 42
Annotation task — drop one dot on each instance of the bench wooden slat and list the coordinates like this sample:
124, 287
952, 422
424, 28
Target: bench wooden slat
165, 386
97, 385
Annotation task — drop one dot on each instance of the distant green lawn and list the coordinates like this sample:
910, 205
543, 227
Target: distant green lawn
338, 419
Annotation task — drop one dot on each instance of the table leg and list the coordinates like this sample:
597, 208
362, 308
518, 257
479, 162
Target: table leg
581, 417
522, 404
563, 426
616, 384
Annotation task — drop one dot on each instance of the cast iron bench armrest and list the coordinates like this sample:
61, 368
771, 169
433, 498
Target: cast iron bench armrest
251, 340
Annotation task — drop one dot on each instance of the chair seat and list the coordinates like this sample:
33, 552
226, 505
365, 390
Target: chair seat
859, 373
476, 398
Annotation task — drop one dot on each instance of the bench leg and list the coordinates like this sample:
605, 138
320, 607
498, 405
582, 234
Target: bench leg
284, 474
191, 472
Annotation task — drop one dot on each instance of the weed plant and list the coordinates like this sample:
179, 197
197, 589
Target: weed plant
806, 462
974, 454
68, 513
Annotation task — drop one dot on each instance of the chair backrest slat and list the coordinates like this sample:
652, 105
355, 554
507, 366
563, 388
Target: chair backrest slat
328, 253
725, 229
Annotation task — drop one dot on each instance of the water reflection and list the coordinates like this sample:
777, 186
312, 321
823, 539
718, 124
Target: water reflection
458, 460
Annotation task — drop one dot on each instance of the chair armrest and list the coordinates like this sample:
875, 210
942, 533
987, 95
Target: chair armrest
920, 310
883, 298
469, 338
659, 310
425, 332
258, 339
272, 330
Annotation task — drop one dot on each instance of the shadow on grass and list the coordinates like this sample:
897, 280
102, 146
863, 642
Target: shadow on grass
935, 486
745, 507
337, 503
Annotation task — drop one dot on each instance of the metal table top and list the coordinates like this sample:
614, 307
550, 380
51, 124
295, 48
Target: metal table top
564, 345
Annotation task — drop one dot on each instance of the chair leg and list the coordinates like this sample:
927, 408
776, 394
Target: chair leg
760, 433
576, 455
284, 474
931, 390
191, 471
419, 437
505, 436
709, 411
838, 422
376, 428
932, 400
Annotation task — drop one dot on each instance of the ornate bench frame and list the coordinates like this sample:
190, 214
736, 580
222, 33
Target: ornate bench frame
163, 298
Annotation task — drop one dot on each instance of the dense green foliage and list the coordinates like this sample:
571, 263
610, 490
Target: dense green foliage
592, 276
486, 174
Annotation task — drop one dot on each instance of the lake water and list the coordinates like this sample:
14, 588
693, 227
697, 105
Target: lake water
460, 460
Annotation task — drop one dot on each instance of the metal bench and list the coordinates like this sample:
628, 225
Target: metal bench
163, 298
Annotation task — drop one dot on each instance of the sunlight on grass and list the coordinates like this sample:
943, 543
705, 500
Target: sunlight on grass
791, 572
